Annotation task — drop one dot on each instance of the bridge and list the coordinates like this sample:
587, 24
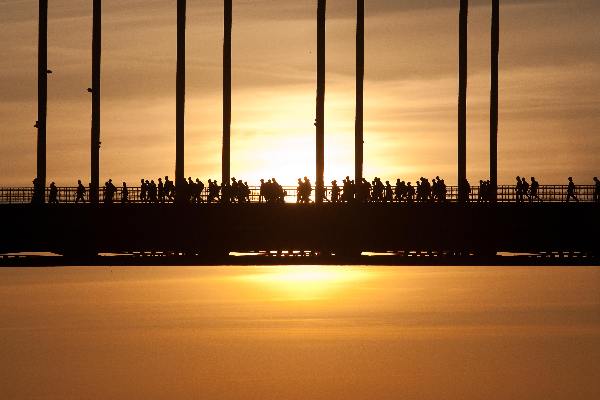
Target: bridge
504, 194
457, 230
442, 232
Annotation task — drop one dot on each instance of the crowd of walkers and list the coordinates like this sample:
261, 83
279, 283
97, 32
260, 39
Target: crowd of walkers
271, 192
191, 191
524, 189
378, 192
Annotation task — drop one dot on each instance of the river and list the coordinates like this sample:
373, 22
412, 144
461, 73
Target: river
301, 332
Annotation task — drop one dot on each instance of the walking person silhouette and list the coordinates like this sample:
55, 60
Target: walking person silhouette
571, 191
80, 192
53, 197
124, 194
533, 190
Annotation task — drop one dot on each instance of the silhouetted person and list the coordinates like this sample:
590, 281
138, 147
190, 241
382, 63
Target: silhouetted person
199, 188
335, 192
247, 192
398, 191
34, 195
190, 190
124, 194
442, 189
240, 191
308, 188
571, 191
525, 188
38, 192
152, 192
53, 197
261, 194
597, 190
533, 190
235, 190
161, 191
347, 194
519, 190
80, 192
279, 193
389, 192
213, 191
363, 191
187, 188
468, 190
304, 190
299, 191
427, 196
377, 190
225, 192
438, 189
109, 192
143, 190
169, 189
410, 192
106, 198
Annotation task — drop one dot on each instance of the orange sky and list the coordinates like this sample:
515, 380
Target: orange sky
549, 89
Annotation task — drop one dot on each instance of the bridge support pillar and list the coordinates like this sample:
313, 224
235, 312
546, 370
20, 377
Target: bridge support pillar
462, 102
495, 50
42, 96
180, 104
226, 153
96, 65
360, 73
320, 114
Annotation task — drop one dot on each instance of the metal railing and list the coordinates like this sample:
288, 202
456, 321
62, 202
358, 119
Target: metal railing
506, 194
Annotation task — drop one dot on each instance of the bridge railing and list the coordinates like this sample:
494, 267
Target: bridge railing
506, 194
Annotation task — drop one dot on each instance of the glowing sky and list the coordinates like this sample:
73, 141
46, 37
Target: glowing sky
549, 89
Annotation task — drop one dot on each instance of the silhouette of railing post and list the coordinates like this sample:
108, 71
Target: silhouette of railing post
360, 73
226, 152
180, 102
320, 114
495, 50
96, 64
462, 101
42, 93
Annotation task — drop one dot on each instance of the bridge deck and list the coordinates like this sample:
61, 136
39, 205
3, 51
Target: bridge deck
328, 228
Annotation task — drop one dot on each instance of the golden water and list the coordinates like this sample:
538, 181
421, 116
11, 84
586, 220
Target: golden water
300, 333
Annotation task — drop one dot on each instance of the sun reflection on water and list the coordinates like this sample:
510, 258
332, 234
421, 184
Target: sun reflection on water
304, 283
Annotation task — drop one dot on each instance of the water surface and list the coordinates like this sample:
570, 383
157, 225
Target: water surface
300, 333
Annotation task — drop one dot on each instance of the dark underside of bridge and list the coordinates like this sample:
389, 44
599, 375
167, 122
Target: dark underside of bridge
429, 233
